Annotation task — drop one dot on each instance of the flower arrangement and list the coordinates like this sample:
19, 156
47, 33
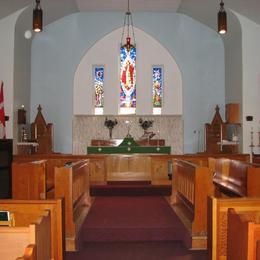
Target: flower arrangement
145, 124
110, 125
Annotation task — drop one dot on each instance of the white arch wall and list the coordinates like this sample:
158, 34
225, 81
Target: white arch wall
106, 52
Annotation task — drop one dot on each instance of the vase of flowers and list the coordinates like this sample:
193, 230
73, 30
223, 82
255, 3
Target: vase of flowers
110, 125
145, 124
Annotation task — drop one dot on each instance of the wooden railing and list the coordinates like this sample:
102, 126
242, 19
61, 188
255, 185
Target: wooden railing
72, 184
191, 184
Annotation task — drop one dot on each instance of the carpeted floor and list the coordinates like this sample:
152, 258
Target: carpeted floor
140, 218
132, 227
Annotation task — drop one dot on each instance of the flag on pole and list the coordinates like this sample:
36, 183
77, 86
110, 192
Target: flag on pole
2, 112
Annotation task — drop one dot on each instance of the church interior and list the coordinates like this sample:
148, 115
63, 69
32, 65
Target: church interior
129, 129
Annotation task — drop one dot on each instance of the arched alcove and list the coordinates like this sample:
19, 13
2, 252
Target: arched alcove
105, 52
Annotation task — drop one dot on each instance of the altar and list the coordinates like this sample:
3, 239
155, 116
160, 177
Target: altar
128, 146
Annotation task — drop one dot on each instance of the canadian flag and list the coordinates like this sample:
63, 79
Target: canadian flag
2, 112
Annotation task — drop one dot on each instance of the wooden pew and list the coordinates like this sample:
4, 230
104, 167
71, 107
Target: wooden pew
29, 180
243, 235
234, 178
218, 222
72, 184
16, 240
191, 184
97, 165
27, 211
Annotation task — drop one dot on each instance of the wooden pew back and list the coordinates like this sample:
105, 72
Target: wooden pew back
218, 221
26, 211
235, 178
15, 240
29, 180
191, 186
242, 235
72, 184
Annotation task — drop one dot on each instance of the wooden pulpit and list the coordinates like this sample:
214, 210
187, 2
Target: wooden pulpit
42, 133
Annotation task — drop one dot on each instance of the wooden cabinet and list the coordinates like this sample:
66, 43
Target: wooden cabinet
6, 158
233, 113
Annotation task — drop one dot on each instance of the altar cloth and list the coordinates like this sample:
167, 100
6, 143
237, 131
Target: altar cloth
128, 146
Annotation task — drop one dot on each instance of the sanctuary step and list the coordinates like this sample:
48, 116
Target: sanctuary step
141, 250
145, 218
130, 189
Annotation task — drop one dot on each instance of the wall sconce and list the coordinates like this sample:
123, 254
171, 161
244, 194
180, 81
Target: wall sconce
37, 17
21, 116
222, 19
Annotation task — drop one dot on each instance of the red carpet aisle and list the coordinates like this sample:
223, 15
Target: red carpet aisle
130, 190
138, 227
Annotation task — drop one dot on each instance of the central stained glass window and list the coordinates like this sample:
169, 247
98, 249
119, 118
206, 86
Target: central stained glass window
128, 78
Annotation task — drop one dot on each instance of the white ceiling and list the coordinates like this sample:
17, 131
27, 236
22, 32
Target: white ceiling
202, 10
135, 5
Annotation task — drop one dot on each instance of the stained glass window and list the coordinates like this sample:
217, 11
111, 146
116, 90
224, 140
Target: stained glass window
157, 89
99, 89
127, 79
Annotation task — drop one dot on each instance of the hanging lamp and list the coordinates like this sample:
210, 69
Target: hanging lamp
128, 29
222, 19
37, 17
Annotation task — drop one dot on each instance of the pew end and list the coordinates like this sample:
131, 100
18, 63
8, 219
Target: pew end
191, 184
243, 235
28, 211
72, 183
218, 224
16, 241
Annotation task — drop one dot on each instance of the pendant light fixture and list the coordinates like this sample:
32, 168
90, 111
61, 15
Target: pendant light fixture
129, 28
222, 19
37, 17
